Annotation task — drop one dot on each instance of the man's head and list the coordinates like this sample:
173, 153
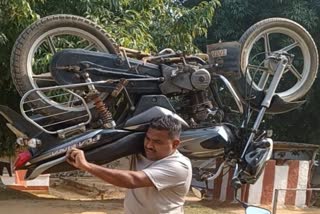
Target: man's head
162, 137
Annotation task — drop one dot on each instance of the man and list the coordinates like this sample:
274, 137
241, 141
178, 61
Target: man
161, 177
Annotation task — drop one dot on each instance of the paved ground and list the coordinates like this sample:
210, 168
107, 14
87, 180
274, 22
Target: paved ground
64, 199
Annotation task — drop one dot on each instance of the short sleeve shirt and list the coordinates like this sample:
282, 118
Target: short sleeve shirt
171, 177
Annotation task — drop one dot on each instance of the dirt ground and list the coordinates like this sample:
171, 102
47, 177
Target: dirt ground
65, 199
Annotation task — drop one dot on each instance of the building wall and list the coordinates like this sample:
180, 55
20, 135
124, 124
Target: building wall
276, 175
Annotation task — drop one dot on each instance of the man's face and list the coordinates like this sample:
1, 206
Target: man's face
158, 144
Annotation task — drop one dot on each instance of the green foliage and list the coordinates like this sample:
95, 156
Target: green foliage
235, 16
15, 15
151, 25
3, 39
148, 25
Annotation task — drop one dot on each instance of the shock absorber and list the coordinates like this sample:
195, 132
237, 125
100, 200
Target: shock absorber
102, 109
104, 112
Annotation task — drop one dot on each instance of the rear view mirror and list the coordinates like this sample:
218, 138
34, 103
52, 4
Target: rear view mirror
256, 210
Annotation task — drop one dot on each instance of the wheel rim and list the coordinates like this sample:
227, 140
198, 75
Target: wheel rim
52, 41
299, 70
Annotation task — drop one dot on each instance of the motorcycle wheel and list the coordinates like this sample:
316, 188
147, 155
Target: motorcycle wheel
37, 44
270, 36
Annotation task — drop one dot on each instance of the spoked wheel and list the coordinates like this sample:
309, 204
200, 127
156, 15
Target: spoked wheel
33, 52
272, 36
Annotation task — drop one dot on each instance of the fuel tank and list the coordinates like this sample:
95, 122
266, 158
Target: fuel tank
195, 143
202, 143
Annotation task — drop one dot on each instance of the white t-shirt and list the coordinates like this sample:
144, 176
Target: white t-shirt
171, 177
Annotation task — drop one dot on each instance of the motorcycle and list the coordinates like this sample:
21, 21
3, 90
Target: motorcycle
100, 97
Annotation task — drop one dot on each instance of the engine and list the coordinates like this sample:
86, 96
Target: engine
183, 79
200, 79
189, 85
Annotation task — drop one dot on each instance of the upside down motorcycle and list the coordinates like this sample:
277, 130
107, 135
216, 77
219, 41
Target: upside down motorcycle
100, 97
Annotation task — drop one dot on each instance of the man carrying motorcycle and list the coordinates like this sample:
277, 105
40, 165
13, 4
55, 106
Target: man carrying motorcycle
159, 179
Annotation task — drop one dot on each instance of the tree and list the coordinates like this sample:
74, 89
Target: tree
147, 25
14, 17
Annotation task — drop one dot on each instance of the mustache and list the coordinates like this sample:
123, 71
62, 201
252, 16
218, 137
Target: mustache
149, 149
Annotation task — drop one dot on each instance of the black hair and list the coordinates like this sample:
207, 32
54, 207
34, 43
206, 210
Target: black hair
169, 123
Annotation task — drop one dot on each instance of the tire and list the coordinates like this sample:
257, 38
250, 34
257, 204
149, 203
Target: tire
51, 33
279, 31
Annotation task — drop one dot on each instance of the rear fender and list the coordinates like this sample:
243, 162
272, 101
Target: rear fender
278, 105
99, 152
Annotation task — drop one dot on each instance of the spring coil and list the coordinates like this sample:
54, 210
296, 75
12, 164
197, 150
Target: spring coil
103, 110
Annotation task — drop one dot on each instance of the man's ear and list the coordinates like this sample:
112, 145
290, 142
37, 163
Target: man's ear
176, 143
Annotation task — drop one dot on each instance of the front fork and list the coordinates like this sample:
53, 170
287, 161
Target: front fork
283, 61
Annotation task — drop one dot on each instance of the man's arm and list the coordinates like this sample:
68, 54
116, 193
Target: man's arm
121, 178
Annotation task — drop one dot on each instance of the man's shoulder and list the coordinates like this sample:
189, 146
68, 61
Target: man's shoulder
176, 159
179, 156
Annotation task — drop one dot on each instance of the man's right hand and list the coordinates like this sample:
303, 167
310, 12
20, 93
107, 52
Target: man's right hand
76, 158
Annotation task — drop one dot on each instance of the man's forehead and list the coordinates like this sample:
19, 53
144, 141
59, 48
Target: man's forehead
157, 133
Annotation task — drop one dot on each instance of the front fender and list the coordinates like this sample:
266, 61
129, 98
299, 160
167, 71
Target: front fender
278, 105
